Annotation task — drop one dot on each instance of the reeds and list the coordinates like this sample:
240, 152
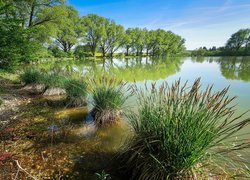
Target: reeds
76, 92
109, 97
31, 76
177, 128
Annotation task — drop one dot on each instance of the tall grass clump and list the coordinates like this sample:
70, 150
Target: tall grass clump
31, 76
109, 97
178, 130
76, 92
53, 80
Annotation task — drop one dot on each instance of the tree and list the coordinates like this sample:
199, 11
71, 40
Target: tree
30, 10
15, 44
112, 38
116, 36
239, 39
150, 40
128, 42
139, 40
69, 29
95, 30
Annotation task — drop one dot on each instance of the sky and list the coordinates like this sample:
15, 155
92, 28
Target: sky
200, 22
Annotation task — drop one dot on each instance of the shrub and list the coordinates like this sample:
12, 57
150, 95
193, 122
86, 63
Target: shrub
31, 76
76, 92
177, 129
109, 96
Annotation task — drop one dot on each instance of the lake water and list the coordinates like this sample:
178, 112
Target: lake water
219, 71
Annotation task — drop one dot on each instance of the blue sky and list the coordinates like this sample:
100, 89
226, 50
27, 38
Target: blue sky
201, 22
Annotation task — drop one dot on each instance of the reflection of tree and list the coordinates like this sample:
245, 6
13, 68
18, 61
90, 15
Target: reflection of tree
139, 69
235, 67
131, 69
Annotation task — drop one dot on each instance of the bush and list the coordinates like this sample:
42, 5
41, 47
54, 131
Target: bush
178, 129
76, 92
109, 96
31, 76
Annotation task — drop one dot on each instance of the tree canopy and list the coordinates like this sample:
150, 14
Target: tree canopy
31, 29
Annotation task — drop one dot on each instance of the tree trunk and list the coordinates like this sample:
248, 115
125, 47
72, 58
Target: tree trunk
103, 52
141, 51
93, 48
127, 50
31, 14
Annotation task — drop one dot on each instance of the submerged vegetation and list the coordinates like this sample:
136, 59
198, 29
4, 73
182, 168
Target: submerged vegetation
109, 96
178, 130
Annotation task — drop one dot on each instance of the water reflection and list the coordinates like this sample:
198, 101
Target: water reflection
132, 69
232, 68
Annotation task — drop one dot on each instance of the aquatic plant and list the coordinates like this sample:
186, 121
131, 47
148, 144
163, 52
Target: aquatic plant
31, 76
53, 80
109, 96
103, 175
76, 92
178, 130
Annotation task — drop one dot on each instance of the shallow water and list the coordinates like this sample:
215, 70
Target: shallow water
219, 71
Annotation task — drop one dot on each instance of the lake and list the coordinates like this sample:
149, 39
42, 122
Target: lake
219, 71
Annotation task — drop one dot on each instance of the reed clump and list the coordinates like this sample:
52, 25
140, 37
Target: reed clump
109, 97
76, 92
178, 130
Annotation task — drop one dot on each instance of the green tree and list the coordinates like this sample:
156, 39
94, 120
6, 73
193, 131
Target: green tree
116, 36
128, 41
239, 39
69, 29
95, 30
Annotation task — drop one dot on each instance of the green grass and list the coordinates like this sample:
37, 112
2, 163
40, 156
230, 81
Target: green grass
109, 97
53, 80
75, 88
31, 76
178, 130
76, 92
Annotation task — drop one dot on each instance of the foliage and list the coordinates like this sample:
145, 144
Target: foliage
25, 27
69, 29
53, 80
75, 88
57, 52
31, 75
178, 129
155, 42
237, 45
103, 175
32, 29
95, 29
239, 39
109, 97
112, 39
82, 51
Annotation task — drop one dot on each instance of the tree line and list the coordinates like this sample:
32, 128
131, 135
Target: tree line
31, 29
237, 45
